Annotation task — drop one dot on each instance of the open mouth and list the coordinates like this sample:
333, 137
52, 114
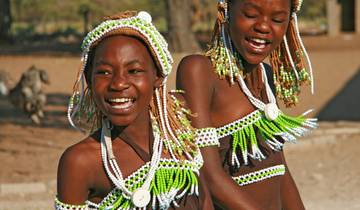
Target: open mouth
258, 44
120, 103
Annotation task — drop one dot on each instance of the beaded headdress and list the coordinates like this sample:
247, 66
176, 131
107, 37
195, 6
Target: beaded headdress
289, 60
166, 109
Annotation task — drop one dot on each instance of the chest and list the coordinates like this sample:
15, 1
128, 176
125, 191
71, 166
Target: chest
129, 162
230, 103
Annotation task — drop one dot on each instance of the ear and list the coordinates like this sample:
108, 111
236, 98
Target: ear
158, 81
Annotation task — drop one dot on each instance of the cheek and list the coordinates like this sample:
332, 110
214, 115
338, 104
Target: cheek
279, 32
98, 91
145, 87
239, 26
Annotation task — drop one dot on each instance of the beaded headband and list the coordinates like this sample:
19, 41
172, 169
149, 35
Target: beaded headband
141, 24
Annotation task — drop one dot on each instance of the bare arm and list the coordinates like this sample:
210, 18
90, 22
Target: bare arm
290, 195
194, 77
73, 176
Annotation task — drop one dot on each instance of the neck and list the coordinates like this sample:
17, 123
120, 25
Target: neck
137, 131
248, 67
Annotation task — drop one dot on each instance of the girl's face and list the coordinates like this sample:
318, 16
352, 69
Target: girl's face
123, 79
257, 27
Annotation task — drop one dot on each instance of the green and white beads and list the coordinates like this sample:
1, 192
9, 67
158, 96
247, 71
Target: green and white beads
260, 175
172, 181
245, 143
206, 137
137, 23
63, 206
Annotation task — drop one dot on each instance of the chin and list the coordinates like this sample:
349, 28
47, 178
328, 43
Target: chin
121, 120
254, 59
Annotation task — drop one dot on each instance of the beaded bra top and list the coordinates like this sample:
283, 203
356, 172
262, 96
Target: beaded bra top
173, 180
273, 126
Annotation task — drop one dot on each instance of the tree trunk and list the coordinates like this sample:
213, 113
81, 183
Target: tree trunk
5, 20
180, 37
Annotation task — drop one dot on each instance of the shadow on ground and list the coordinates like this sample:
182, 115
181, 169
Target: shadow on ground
55, 112
346, 104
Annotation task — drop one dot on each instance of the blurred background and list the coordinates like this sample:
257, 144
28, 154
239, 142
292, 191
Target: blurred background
40, 51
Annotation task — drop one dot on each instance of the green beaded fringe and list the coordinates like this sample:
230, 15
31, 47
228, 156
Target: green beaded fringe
170, 182
274, 133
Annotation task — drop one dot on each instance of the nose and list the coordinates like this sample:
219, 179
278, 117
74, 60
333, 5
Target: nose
119, 82
262, 26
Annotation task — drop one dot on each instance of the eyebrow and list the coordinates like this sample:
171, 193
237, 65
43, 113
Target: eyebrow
103, 62
136, 61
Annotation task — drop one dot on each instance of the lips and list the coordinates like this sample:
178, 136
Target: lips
257, 45
121, 103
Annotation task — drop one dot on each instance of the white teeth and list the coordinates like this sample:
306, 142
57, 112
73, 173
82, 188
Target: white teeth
260, 41
120, 100
123, 105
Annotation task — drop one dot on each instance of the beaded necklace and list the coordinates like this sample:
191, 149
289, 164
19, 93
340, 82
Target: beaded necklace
141, 196
273, 126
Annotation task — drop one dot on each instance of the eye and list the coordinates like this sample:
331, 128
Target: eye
280, 17
135, 71
250, 12
102, 72
278, 20
250, 15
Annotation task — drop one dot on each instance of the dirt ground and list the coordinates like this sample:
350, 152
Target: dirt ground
325, 164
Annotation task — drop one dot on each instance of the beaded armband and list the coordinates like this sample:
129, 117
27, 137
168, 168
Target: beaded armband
63, 206
206, 137
260, 175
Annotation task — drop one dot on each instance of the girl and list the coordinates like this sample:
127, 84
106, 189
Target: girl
232, 93
141, 154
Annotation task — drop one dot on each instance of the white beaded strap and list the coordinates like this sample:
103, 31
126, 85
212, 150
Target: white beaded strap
115, 173
257, 102
206, 137
260, 175
239, 124
63, 206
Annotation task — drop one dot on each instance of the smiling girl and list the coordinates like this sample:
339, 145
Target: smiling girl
140, 153
232, 92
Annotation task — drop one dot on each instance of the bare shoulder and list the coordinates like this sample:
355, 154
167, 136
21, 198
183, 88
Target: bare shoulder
79, 157
195, 72
76, 171
195, 65
79, 151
